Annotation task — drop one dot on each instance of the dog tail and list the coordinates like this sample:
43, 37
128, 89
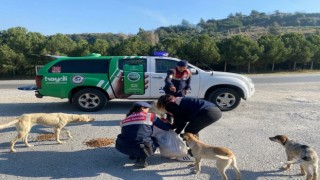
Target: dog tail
2, 126
223, 157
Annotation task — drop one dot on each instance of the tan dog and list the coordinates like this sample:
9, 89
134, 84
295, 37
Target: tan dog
58, 121
223, 156
305, 156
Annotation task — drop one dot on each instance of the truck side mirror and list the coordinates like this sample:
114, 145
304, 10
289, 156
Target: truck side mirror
193, 71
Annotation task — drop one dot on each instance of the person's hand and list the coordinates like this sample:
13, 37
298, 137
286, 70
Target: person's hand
118, 86
173, 89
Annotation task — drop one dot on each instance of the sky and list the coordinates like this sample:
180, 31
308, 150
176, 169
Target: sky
50, 17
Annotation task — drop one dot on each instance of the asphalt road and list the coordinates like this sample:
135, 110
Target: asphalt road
286, 104
286, 78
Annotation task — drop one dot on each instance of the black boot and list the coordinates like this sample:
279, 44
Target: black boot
141, 162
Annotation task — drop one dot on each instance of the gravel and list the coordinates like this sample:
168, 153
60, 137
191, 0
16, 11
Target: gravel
276, 108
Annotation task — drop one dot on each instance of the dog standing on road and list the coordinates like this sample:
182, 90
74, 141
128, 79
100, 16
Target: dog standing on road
224, 157
305, 156
58, 121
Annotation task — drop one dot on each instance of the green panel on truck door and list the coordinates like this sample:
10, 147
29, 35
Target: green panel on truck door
133, 79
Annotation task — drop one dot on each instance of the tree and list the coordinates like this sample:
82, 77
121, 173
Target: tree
10, 61
315, 44
202, 49
81, 48
149, 37
298, 47
208, 27
173, 46
37, 42
132, 46
273, 52
240, 50
16, 38
275, 29
25, 45
59, 44
100, 46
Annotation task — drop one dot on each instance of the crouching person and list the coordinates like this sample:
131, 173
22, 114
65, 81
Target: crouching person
135, 139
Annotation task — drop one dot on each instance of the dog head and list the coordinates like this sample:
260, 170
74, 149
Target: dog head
281, 139
157, 111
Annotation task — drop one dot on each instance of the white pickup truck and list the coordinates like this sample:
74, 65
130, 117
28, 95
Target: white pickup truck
222, 88
89, 82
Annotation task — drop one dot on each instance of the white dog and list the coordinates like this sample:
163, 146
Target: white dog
58, 121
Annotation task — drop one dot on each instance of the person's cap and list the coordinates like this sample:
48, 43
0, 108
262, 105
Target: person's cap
182, 63
142, 104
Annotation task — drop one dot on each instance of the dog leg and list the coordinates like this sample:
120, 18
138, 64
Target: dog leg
25, 140
315, 171
288, 166
222, 166
13, 142
197, 165
235, 167
68, 132
305, 167
303, 172
309, 176
57, 133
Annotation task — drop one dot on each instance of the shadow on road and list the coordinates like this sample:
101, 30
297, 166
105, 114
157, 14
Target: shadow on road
78, 164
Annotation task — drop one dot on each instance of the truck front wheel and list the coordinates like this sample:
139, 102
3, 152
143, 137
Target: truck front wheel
89, 100
226, 99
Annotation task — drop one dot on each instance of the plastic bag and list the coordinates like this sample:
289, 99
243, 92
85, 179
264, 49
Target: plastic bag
170, 144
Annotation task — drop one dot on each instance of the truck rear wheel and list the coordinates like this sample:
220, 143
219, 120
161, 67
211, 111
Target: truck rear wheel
225, 98
89, 100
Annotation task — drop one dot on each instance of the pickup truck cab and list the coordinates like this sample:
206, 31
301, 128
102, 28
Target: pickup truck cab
89, 82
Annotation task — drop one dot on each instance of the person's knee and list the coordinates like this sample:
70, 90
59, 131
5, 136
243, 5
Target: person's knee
215, 114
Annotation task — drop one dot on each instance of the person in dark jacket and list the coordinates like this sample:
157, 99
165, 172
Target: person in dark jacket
135, 138
189, 114
178, 80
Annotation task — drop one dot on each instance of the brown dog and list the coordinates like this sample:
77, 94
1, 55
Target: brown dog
305, 156
223, 156
58, 121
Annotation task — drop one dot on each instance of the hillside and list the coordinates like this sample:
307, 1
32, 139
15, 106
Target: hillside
254, 25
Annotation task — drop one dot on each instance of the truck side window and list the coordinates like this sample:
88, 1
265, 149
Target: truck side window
133, 61
163, 65
81, 66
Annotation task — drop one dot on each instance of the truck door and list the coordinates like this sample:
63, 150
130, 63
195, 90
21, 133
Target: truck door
158, 73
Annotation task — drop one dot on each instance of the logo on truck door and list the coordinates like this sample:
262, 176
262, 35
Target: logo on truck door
77, 79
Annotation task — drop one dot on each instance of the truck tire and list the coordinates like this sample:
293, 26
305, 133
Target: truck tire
225, 98
89, 100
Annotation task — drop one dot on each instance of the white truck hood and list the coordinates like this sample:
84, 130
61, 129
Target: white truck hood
242, 81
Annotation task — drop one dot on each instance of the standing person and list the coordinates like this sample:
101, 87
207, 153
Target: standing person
136, 129
190, 114
178, 80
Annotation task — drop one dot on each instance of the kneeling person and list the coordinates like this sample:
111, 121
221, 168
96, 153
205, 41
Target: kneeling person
135, 139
